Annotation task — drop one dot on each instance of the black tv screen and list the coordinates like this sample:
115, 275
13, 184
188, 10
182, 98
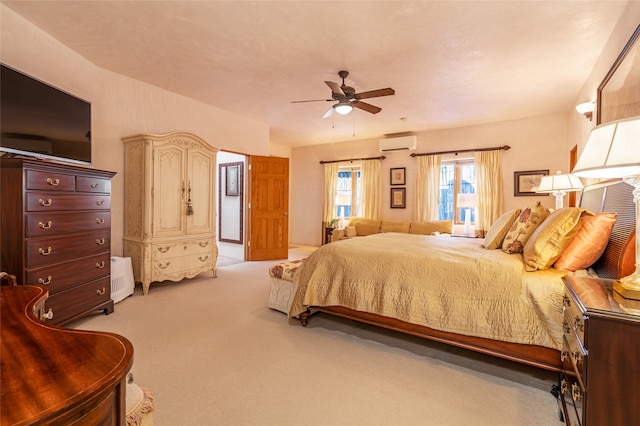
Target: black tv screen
39, 120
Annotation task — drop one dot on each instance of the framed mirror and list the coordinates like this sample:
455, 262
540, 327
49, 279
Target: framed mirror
230, 202
619, 92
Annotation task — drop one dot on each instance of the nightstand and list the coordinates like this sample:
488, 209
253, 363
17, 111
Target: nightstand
601, 352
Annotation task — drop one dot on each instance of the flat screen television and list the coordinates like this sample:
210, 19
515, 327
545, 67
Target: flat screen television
39, 120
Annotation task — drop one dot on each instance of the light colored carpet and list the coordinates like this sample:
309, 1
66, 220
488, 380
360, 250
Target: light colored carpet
212, 353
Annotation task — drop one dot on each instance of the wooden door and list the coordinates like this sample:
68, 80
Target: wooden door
169, 190
201, 188
268, 208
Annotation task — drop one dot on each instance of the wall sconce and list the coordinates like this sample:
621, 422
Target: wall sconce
587, 109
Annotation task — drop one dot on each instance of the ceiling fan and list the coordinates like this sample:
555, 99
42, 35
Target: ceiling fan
348, 98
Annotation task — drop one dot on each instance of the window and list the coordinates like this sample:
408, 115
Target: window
456, 177
348, 192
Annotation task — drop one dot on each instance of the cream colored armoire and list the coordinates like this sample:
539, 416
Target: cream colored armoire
169, 229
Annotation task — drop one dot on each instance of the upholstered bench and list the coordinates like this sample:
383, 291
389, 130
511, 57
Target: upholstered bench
282, 286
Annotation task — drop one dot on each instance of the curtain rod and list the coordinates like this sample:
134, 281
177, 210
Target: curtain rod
495, 148
382, 157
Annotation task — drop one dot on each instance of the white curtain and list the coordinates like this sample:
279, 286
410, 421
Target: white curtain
428, 187
489, 188
371, 188
329, 191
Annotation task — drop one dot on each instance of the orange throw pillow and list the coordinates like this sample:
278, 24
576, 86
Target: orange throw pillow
589, 243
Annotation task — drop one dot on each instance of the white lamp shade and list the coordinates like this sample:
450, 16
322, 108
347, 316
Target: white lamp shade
612, 150
585, 107
560, 182
343, 108
467, 200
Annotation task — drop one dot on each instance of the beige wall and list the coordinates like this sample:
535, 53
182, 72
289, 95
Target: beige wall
121, 106
537, 143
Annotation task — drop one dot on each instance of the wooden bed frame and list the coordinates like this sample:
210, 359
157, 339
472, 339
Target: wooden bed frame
617, 261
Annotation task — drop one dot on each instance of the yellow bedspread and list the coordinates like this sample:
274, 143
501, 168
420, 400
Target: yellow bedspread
449, 284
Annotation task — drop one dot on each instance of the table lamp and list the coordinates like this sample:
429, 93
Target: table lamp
613, 151
467, 201
558, 185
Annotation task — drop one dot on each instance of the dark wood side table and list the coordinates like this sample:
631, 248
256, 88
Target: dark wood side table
55, 376
328, 231
601, 354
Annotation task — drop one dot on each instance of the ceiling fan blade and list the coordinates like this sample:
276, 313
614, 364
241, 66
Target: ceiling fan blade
335, 88
367, 107
328, 113
313, 100
376, 93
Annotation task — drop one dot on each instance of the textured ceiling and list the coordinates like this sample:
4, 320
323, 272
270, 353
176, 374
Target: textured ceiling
451, 63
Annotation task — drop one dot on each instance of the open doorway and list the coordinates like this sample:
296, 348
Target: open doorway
231, 203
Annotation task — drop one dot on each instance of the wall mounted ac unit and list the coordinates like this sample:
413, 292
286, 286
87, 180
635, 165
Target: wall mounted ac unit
402, 143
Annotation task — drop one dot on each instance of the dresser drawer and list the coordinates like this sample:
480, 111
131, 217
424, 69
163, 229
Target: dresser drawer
63, 276
45, 224
573, 318
93, 184
572, 396
50, 181
42, 201
47, 251
195, 262
67, 304
183, 248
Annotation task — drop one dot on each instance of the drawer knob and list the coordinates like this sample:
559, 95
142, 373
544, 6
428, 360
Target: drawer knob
578, 323
564, 356
44, 252
164, 266
164, 249
99, 220
563, 386
101, 292
566, 327
47, 315
100, 265
44, 281
53, 182
99, 241
44, 203
576, 392
204, 244
566, 301
94, 185
44, 225
99, 202
203, 259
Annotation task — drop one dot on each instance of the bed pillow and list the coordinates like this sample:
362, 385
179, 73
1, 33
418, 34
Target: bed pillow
589, 243
395, 226
350, 231
523, 227
550, 238
428, 228
499, 229
365, 226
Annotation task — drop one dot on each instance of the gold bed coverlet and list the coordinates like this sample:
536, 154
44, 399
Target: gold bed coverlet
445, 283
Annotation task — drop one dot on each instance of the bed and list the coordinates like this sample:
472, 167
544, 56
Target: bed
455, 291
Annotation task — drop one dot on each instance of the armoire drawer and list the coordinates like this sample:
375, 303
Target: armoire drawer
93, 184
182, 248
47, 251
63, 276
46, 202
50, 181
45, 224
67, 304
175, 265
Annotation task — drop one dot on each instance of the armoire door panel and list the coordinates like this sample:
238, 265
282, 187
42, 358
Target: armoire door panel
169, 191
200, 191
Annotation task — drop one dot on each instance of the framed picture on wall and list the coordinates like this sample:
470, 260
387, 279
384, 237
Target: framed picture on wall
619, 92
398, 176
398, 197
526, 183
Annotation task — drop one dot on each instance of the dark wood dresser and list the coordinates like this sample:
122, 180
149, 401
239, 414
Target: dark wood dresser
56, 231
55, 376
601, 384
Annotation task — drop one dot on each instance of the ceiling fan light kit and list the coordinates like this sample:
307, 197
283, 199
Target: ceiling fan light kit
348, 98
